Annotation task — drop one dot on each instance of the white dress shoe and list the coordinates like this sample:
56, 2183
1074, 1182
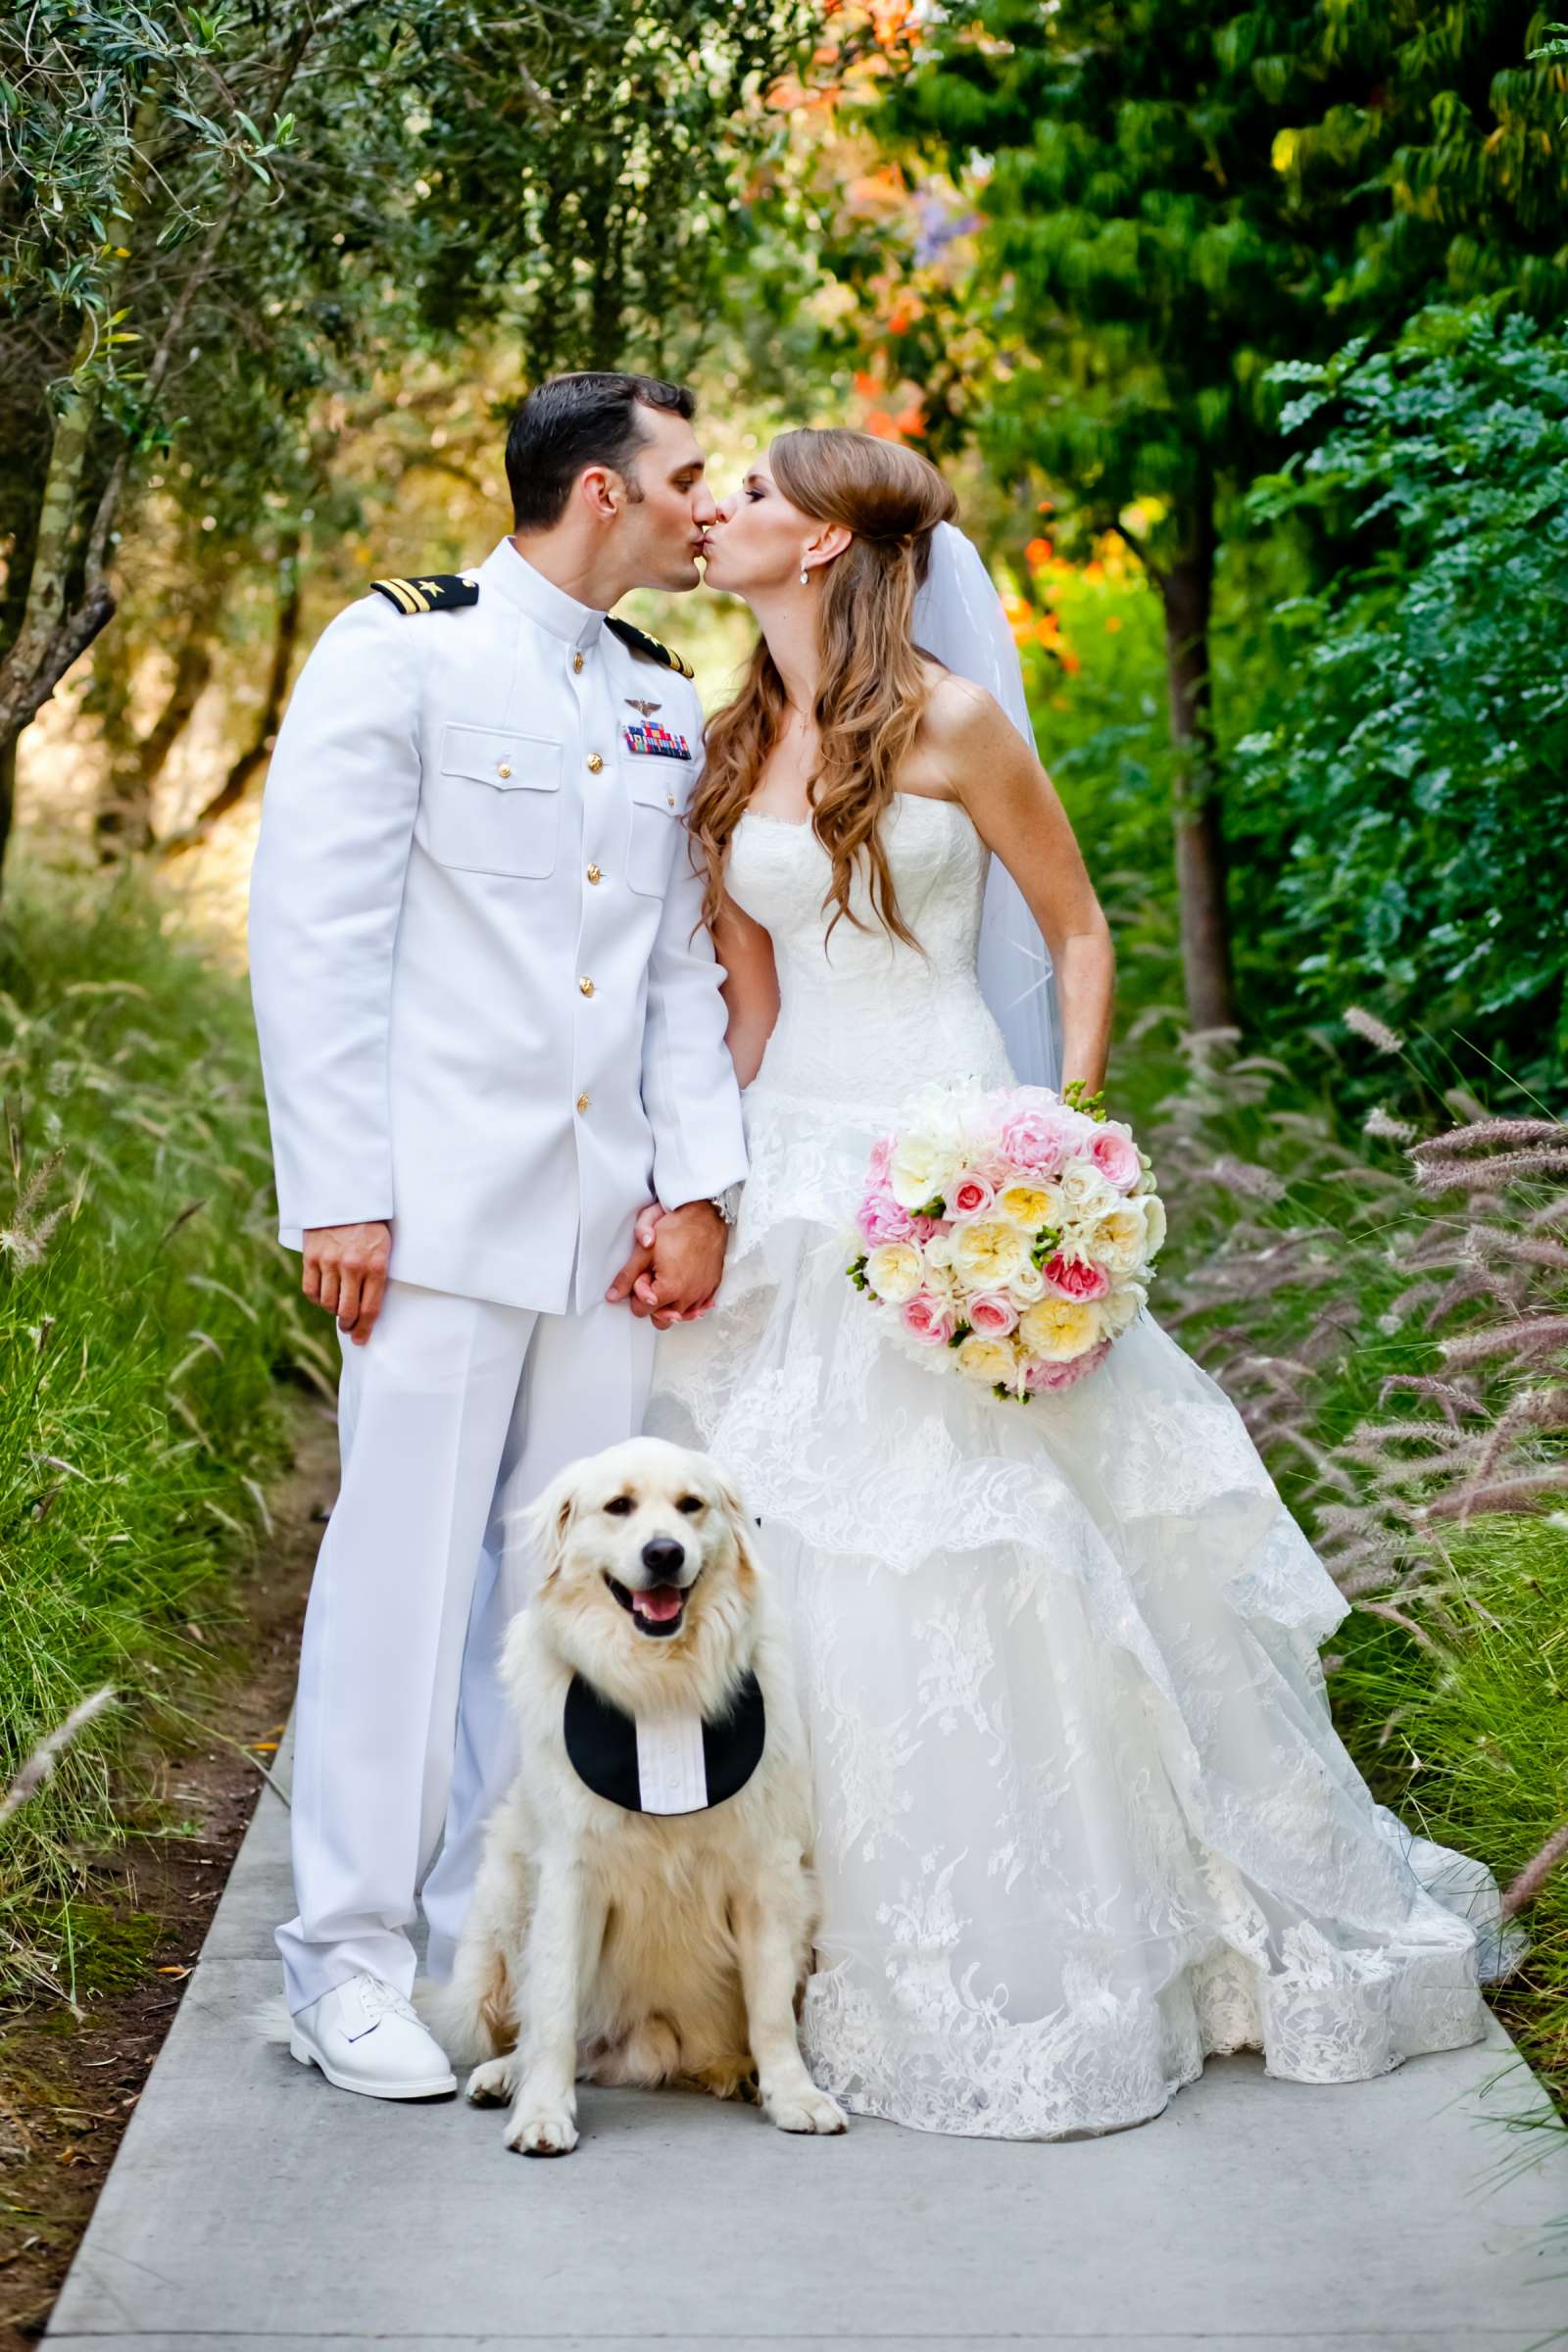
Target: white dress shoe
365, 2036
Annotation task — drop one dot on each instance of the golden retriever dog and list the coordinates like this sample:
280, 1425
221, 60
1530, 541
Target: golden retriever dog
645, 1902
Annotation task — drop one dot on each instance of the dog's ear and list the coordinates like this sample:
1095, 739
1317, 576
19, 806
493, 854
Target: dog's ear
742, 1525
548, 1517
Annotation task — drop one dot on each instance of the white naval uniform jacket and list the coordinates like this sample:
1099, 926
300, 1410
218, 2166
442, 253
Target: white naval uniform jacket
483, 1010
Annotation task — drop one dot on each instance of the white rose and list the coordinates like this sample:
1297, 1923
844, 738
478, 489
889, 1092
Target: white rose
1086, 1196
1155, 1222
1121, 1307
939, 1251
895, 1271
1026, 1285
919, 1170
1120, 1238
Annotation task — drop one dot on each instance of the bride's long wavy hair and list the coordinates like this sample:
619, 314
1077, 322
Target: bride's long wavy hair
871, 692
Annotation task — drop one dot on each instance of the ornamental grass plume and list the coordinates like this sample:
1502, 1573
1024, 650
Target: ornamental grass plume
39, 1766
1391, 1315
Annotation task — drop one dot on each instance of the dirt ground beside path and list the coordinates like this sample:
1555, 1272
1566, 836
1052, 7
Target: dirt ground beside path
68, 2087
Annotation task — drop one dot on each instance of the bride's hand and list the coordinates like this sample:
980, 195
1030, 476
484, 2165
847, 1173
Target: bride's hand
636, 1267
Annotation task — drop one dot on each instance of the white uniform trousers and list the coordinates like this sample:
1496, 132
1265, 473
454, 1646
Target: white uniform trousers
452, 1419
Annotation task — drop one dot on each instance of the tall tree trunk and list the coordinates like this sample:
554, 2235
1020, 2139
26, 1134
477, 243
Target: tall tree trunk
8, 794
254, 758
124, 818
1187, 588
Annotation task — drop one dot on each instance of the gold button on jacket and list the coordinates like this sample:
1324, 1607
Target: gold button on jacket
595, 764
586, 987
582, 1102
594, 874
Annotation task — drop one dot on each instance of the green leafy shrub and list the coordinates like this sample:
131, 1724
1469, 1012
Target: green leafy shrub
1407, 803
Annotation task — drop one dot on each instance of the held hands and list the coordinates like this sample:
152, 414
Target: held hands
675, 1265
345, 1271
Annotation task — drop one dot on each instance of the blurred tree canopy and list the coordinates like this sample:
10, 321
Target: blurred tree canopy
207, 218
1170, 199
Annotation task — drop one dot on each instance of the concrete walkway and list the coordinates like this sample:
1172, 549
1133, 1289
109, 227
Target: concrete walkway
251, 2204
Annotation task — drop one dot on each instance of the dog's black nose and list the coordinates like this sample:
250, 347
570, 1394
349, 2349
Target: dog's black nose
663, 1557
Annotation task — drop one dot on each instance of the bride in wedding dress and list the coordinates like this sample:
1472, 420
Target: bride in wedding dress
1082, 1815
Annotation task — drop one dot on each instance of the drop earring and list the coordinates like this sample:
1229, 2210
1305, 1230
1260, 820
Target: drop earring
804, 581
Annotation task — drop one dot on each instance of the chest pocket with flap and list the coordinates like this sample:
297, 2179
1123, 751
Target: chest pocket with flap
657, 789
494, 805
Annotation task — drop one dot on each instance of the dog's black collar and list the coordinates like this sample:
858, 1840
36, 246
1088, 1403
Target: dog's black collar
602, 1746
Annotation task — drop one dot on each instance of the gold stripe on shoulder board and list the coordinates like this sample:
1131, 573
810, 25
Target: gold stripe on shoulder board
401, 594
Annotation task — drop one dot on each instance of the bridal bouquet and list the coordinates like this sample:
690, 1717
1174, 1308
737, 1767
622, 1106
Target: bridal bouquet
1008, 1235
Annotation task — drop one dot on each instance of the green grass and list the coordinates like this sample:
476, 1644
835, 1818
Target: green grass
1469, 1742
143, 1329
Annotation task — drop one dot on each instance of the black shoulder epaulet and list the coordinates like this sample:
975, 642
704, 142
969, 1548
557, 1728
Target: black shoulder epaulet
440, 592
638, 641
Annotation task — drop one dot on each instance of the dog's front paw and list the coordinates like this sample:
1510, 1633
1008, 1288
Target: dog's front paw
806, 2109
542, 2130
493, 2083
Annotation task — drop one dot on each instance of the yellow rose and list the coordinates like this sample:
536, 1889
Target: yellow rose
988, 1253
895, 1272
987, 1360
1030, 1205
1059, 1329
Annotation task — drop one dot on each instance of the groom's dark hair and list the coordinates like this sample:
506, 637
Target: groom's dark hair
571, 421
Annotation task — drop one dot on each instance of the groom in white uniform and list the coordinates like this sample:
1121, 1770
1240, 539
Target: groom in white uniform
491, 1032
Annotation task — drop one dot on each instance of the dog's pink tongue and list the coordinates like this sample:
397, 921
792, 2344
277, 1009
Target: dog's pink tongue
661, 1603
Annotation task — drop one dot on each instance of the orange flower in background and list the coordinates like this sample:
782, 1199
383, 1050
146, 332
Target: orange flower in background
1112, 624
889, 22
1069, 661
1037, 552
909, 422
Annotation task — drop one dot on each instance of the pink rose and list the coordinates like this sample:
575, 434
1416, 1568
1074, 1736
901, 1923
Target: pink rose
880, 1162
970, 1196
1070, 1277
922, 1227
927, 1319
992, 1314
881, 1219
1038, 1140
1116, 1157
1044, 1378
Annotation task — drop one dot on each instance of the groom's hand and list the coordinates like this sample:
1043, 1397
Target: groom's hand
688, 1261
345, 1271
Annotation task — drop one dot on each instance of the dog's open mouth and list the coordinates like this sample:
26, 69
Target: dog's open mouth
660, 1609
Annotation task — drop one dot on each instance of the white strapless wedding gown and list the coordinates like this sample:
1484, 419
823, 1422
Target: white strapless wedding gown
1082, 1815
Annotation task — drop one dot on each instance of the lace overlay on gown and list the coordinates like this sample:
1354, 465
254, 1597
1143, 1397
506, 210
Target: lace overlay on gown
1082, 1815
